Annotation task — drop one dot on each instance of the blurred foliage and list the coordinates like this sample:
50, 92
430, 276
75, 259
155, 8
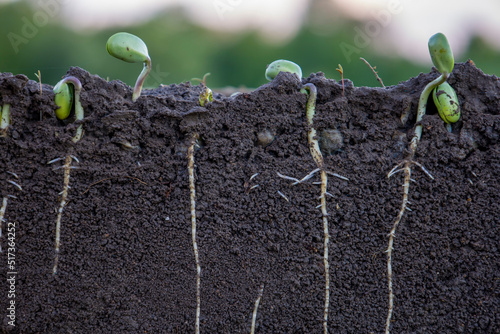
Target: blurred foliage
180, 50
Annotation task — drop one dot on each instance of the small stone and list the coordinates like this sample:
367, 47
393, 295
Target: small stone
265, 137
331, 141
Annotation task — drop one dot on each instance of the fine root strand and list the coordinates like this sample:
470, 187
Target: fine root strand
193, 227
324, 183
283, 195
390, 248
288, 177
255, 308
64, 196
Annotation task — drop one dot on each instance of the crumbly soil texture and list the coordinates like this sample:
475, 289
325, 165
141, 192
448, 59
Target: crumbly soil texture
126, 262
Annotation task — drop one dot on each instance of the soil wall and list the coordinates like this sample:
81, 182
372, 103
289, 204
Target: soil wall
126, 262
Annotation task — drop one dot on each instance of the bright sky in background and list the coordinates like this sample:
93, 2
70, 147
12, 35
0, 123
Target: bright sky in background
411, 27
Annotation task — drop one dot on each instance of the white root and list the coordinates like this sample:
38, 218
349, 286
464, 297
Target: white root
193, 227
283, 195
287, 177
324, 180
13, 174
54, 160
64, 196
311, 174
257, 301
15, 184
337, 175
390, 248
424, 170
75, 158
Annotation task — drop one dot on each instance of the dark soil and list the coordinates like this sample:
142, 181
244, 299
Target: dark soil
127, 263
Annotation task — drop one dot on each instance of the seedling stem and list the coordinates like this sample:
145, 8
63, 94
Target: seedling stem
341, 71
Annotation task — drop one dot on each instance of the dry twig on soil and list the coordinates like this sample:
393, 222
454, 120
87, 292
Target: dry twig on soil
373, 70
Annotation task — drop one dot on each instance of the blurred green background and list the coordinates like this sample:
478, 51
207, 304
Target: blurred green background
181, 50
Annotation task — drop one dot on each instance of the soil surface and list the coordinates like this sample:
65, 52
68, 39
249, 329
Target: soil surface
126, 260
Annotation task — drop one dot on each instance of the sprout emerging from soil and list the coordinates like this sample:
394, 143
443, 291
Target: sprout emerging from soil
5, 119
67, 97
341, 71
282, 66
312, 139
446, 102
206, 94
310, 90
318, 158
442, 58
131, 49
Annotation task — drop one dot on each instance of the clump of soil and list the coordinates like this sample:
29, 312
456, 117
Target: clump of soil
127, 264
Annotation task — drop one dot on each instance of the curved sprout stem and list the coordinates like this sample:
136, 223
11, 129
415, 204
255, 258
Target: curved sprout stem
140, 80
78, 114
78, 105
312, 93
422, 105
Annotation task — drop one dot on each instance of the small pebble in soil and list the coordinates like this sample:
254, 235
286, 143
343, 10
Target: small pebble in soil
265, 137
399, 143
331, 141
